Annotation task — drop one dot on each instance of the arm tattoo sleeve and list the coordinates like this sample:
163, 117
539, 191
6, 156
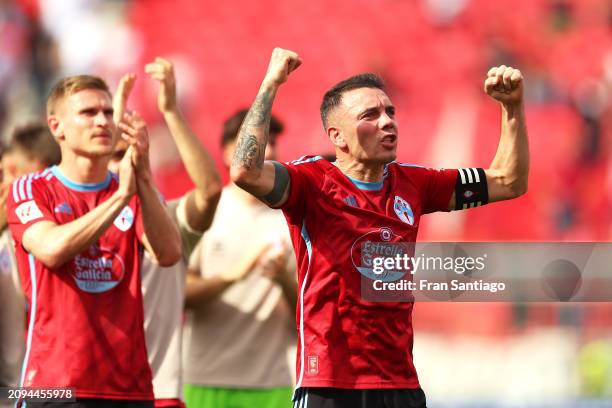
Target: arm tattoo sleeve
281, 181
247, 150
253, 135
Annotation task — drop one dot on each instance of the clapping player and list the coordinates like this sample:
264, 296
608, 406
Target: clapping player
79, 231
164, 287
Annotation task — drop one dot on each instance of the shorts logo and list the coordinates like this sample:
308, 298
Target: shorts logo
403, 210
98, 270
313, 365
28, 211
125, 219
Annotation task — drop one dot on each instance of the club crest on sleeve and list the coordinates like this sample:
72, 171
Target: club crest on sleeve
28, 211
125, 219
403, 210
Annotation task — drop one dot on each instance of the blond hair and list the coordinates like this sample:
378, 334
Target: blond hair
71, 85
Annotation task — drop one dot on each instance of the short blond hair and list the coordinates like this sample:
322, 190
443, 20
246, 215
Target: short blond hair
71, 85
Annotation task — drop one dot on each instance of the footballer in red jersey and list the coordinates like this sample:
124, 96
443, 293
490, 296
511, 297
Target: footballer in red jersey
353, 351
78, 232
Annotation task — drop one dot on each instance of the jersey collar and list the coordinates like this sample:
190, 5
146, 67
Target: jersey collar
366, 185
73, 185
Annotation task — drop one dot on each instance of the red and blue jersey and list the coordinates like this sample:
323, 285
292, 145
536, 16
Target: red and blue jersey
337, 226
86, 317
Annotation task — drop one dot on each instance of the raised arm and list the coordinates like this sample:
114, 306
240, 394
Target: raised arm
267, 180
122, 94
507, 175
55, 245
203, 199
161, 236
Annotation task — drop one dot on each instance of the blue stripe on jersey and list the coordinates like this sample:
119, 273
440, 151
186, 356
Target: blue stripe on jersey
306, 238
29, 186
15, 195
81, 186
409, 165
367, 185
21, 188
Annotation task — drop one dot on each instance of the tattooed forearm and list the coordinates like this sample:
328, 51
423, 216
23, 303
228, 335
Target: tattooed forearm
253, 135
248, 150
261, 110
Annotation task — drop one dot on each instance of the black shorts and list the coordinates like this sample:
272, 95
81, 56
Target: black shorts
92, 403
343, 398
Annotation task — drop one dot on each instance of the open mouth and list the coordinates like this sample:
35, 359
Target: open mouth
389, 139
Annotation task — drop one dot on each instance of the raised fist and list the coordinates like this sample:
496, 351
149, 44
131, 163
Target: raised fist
505, 84
282, 63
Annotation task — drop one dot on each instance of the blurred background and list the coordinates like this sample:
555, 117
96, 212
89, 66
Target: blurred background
434, 55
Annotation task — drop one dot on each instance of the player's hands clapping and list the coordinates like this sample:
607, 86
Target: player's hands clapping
246, 265
163, 71
134, 131
282, 63
505, 84
127, 175
122, 94
274, 261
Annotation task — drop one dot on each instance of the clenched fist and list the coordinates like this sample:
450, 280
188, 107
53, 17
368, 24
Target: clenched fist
282, 63
505, 84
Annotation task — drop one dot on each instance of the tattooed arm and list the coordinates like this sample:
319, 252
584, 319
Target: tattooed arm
267, 180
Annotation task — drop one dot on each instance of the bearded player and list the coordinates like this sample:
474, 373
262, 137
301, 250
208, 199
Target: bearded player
79, 231
354, 352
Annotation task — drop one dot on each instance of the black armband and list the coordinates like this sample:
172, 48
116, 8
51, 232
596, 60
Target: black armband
471, 188
281, 179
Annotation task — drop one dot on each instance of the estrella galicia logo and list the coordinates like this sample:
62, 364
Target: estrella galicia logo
403, 210
378, 243
98, 270
125, 219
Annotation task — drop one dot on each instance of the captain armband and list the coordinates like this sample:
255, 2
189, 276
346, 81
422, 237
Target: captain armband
471, 188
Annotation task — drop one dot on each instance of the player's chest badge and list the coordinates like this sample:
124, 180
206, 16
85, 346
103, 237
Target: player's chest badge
403, 210
125, 219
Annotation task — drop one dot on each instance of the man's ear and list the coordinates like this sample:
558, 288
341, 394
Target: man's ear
55, 125
336, 137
